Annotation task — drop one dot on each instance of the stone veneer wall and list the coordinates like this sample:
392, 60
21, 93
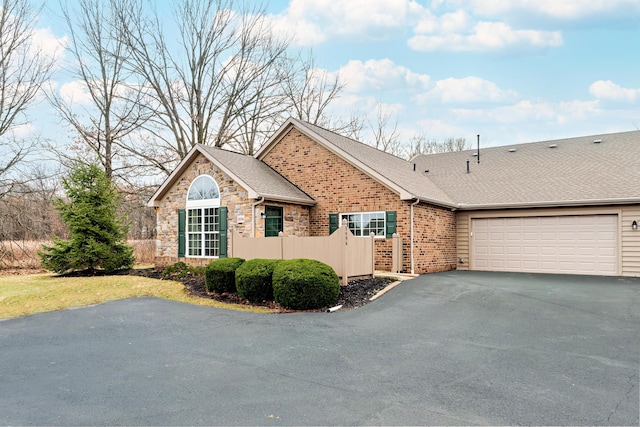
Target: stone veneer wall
339, 187
232, 195
295, 219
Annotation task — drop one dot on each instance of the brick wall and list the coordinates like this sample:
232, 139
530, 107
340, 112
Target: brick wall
339, 187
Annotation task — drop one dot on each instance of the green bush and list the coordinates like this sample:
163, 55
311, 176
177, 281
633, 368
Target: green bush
97, 231
303, 284
253, 279
220, 275
180, 269
197, 271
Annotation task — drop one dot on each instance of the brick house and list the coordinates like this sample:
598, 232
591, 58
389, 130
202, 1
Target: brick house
306, 179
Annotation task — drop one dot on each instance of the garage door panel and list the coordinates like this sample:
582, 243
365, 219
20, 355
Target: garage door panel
548, 250
514, 250
565, 251
577, 244
606, 252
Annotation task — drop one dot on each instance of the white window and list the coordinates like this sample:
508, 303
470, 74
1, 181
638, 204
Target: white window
365, 223
203, 222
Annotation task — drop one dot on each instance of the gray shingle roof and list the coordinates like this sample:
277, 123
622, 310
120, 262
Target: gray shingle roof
394, 169
257, 175
575, 171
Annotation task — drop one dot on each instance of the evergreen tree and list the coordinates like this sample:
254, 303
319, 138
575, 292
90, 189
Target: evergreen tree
97, 232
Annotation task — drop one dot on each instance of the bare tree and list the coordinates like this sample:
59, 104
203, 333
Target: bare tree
114, 110
310, 90
203, 86
420, 144
27, 215
23, 69
385, 131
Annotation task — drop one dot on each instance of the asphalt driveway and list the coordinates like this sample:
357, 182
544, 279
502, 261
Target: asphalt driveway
458, 348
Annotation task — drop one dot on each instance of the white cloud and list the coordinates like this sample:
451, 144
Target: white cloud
317, 21
75, 92
380, 75
468, 90
608, 90
486, 36
556, 9
23, 130
527, 112
48, 44
437, 128
447, 23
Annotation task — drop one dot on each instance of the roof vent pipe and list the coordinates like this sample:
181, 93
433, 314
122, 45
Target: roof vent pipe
468, 166
478, 149
414, 167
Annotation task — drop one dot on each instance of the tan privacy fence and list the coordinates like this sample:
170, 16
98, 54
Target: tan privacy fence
348, 255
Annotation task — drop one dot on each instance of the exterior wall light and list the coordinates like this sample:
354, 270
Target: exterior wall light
634, 225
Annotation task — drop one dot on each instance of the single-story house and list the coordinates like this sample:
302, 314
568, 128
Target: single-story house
563, 206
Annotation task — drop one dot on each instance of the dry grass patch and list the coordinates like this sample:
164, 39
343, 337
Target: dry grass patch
23, 254
37, 293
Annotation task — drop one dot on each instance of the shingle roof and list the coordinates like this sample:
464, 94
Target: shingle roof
258, 176
559, 172
252, 174
388, 169
572, 171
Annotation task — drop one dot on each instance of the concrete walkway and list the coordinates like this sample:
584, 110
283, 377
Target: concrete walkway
456, 348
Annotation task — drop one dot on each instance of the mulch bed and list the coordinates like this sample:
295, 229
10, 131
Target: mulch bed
355, 294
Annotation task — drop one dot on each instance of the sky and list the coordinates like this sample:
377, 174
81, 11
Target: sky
512, 71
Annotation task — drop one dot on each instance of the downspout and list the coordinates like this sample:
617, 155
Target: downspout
411, 238
253, 216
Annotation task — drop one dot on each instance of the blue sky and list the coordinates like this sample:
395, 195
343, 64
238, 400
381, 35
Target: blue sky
510, 70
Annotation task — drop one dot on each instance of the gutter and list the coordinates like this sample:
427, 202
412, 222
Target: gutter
292, 200
253, 216
549, 204
411, 238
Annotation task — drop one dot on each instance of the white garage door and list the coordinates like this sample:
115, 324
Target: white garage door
585, 244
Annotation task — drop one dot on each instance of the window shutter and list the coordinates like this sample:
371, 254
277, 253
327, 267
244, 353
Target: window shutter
334, 223
222, 227
182, 220
390, 221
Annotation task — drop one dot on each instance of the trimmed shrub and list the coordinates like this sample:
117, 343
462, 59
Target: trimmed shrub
303, 284
220, 275
253, 279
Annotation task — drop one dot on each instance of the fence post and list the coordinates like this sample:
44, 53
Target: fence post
372, 238
396, 257
345, 251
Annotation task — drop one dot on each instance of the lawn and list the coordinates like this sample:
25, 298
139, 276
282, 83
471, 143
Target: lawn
21, 295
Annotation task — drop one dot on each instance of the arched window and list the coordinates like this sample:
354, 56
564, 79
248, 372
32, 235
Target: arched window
203, 218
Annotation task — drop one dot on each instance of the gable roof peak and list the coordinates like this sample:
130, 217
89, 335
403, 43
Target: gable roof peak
393, 172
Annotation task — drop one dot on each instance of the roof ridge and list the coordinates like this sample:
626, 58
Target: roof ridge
350, 139
532, 143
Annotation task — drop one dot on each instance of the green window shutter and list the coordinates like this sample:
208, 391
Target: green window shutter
390, 221
334, 223
222, 226
182, 220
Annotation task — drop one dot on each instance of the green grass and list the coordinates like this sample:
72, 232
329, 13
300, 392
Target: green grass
37, 293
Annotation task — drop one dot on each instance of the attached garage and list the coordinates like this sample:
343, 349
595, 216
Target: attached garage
568, 244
